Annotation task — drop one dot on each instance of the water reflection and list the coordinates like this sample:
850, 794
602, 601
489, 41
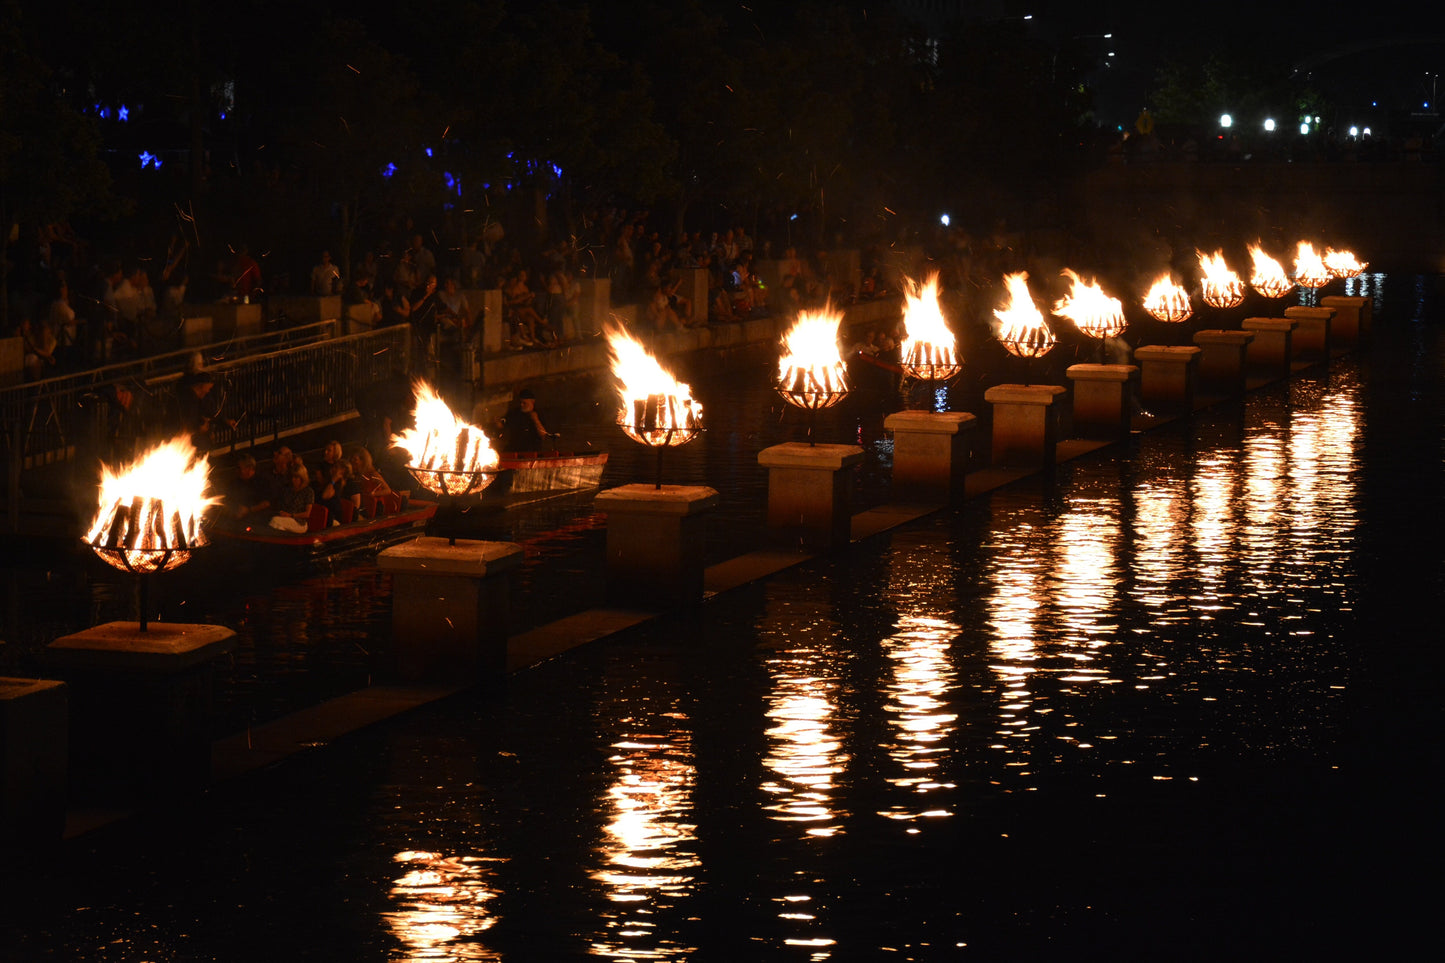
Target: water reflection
923, 683
1160, 513
646, 846
442, 907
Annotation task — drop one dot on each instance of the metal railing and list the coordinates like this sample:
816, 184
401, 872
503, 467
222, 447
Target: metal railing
284, 382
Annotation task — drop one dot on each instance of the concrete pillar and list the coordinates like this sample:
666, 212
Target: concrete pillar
694, 288
34, 750
1101, 399
1025, 424
655, 543
1271, 351
488, 313
1167, 376
197, 331
1222, 360
1351, 319
810, 493
1312, 337
450, 606
594, 305
306, 308
930, 453
141, 706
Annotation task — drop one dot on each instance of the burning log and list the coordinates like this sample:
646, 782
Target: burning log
1221, 286
1269, 277
1167, 301
1090, 309
929, 347
446, 455
811, 372
1022, 329
1344, 264
1310, 270
150, 512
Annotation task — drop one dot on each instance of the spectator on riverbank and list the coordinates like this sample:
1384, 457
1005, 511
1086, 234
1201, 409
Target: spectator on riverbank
325, 277
39, 346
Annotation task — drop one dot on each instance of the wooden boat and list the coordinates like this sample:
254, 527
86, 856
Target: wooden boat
531, 475
323, 538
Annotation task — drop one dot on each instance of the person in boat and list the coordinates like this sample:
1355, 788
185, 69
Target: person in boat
293, 511
522, 427
370, 484
337, 490
331, 455
278, 479
249, 494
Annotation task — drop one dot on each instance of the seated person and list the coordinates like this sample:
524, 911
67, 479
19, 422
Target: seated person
369, 481
294, 509
249, 494
336, 490
321, 475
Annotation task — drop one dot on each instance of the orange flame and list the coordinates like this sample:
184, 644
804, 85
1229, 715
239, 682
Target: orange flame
1022, 328
811, 372
1222, 287
1343, 264
150, 511
1092, 311
1309, 268
1269, 277
929, 348
1167, 301
657, 409
446, 455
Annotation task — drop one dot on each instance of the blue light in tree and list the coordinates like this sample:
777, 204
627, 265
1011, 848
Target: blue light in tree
123, 114
428, 151
146, 157
388, 170
105, 113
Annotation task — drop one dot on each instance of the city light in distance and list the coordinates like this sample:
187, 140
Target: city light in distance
1226, 120
1269, 123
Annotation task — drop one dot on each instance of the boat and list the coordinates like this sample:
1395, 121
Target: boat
323, 538
528, 476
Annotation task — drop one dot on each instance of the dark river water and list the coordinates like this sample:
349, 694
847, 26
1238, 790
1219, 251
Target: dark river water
1182, 700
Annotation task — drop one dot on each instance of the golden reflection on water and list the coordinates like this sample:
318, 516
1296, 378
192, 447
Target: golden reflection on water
1160, 514
646, 847
442, 904
923, 679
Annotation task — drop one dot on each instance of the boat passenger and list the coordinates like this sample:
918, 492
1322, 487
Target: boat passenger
369, 482
249, 494
294, 509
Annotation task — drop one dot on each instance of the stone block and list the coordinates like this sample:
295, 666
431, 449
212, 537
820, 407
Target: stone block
1025, 424
931, 453
1102, 398
810, 493
141, 706
197, 331
655, 543
594, 305
1222, 360
1351, 319
1270, 353
34, 751
451, 606
1167, 376
306, 308
12, 360
1312, 336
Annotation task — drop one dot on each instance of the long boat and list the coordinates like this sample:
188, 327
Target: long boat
545, 473
323, 538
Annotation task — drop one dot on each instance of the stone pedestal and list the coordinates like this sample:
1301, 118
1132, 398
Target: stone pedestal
655, 543
930, 453
228, 319
694, 288
1222, 360
1312, 336
306, 308
486, 305
810, 493
141, 706
34, 748
450, 606
197, 331
1025, 424
1271, 350
1352, 319
1101, 399
594, 305
1167, 375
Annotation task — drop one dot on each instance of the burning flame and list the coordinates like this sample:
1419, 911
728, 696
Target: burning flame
447, 455
929, 347
1092, 311
657, 409
1309, 268
1022, 330
1167, 301
150, 511
811, 373
1222, 287
1343, 264
1269, 277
